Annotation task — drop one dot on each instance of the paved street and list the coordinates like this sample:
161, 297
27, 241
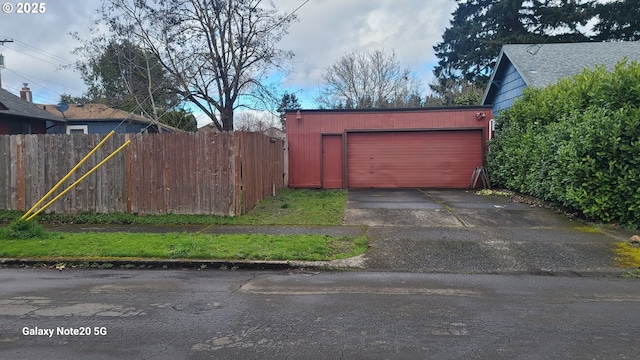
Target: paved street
215, 314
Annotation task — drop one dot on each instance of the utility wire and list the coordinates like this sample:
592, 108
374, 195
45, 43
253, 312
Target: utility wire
533, 49
288, 15
57, 58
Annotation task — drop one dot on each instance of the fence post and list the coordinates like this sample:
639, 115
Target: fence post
127, 171
237, 166
20, 172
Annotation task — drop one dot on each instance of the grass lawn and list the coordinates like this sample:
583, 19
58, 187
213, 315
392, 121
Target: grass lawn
289, 207
94, 246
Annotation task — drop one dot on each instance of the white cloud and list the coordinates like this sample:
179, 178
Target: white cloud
326, 30
42, 45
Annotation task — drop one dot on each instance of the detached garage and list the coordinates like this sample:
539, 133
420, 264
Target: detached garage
386, 148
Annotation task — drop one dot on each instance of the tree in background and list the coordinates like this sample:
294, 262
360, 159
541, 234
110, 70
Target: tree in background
479, 28
618, 20
450, 92
215, 51
367, 80
181, 119
124, 75
289, 102
70, 99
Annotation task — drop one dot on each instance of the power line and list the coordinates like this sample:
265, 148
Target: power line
56, 58
289, 15
33, 82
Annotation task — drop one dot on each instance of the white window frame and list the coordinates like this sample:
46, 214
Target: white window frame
84, 128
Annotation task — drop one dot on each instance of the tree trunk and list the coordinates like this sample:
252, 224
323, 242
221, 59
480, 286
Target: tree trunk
226, 118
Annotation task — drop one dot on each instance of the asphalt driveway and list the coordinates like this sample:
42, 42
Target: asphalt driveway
458, 231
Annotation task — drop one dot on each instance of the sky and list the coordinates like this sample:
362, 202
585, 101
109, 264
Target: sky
325, 30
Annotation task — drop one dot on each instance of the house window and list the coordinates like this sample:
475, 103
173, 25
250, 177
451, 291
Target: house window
77, 129
19, 127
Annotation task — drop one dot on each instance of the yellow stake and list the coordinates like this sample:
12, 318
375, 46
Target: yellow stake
79, 180
68, 175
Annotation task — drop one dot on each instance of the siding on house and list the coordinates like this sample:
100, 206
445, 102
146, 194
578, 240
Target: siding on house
511, 87
306, 127
540, 65
100, 127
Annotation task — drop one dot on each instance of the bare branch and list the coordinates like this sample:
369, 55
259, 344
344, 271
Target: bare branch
216, 50
370, 80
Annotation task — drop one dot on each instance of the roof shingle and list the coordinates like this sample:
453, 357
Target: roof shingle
11, 104
542, 65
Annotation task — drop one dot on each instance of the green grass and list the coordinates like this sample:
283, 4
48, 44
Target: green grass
288, 207
94, 246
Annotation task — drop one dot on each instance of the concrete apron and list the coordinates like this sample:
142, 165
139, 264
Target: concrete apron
458, 231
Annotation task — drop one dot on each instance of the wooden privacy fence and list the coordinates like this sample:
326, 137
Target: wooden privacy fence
180, 173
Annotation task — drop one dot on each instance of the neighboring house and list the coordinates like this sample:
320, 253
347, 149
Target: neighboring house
386, 148
274, 132
522, 65
19, 116
209, 127
101, 119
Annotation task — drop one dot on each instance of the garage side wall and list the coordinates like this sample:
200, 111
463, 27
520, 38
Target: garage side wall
306, 127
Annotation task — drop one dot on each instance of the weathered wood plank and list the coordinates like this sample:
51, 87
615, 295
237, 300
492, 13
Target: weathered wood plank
5, 172
200, 173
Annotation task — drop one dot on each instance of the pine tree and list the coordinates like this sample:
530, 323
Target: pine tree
479, 28
618, 20
289, 102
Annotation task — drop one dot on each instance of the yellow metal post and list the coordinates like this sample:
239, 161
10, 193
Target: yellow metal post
79, 180
68, 175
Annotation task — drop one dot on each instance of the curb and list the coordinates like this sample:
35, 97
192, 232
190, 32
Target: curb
162, 264
350, 264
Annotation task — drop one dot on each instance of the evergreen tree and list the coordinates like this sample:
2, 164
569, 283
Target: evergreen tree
180, 119
479, 28
618, 20
127, 77
289, 102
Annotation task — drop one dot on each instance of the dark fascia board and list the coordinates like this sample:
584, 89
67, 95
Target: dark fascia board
502, 60
419, 109
18, 117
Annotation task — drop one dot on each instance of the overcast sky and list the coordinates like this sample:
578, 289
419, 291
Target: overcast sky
326, 30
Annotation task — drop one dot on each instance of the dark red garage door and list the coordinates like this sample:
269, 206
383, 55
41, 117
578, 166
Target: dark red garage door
444, 158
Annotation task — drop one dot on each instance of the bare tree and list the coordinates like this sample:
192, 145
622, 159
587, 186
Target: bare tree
217, 51
255, 121
369, 80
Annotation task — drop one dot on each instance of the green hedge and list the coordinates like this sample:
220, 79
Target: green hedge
576, 143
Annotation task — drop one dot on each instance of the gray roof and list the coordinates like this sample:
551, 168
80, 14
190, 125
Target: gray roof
17, 107
542, 65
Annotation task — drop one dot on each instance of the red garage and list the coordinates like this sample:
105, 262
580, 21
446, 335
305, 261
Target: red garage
386, 148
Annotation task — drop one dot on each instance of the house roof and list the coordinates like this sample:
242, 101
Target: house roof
377, 110
99, 113
543, 65
13, 105
209, 127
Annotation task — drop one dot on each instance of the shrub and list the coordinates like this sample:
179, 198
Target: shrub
576, 143
23, 229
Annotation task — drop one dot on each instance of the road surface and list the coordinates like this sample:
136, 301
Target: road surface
216, 314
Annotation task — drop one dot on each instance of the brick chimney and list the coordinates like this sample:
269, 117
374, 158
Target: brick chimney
25, 93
